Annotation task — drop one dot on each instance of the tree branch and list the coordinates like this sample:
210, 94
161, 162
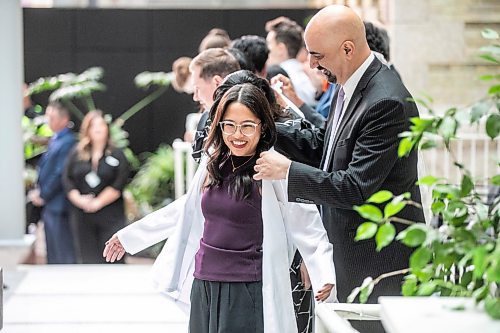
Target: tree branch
400, 220
394, 273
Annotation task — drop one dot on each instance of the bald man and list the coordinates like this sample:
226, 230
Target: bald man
356, 155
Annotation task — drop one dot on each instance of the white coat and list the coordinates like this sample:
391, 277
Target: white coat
286, 226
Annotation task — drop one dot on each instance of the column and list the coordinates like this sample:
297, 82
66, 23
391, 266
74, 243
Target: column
12, 202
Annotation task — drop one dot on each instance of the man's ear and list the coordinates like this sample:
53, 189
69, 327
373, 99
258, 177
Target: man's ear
217, 79
348, 47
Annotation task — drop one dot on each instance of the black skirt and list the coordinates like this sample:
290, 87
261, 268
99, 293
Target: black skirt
226, 307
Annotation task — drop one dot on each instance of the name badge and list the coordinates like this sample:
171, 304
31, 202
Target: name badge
92, 179
110, 160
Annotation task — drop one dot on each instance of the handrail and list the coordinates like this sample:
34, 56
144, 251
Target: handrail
182, 156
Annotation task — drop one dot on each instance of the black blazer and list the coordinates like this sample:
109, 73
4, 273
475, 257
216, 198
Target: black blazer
363, 162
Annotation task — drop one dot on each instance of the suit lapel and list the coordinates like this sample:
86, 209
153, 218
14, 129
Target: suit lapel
356, 97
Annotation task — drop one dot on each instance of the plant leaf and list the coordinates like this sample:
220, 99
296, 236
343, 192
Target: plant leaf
493, 126
489, 33
409, 287
427, 180
494, 90
405, 146
489, 58
448, 128
426, 288
489, 77
385, 235
392, 209
481, 293
493, 271
413, 236
366, 231
380, 197
366, 290
437, 207
496, 180
466, 186
420, 258
492, 307
369, 212
479, 261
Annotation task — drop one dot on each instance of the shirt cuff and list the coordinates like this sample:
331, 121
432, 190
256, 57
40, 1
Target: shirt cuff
285, 183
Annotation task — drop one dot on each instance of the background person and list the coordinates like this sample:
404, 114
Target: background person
49, 193
95, 174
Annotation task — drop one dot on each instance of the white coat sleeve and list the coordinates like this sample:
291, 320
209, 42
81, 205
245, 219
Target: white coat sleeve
152, 228
306, 231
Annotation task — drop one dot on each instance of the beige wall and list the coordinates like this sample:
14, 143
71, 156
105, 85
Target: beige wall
435, 46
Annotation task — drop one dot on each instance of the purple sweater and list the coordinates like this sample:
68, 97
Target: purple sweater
231, 246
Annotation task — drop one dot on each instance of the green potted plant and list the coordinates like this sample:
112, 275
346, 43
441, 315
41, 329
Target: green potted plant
77, 89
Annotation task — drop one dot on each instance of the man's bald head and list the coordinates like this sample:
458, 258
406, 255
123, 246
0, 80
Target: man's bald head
335, 38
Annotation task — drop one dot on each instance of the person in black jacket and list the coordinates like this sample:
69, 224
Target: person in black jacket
94, 177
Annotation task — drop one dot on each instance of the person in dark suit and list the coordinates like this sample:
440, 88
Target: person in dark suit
356, 155
49, 193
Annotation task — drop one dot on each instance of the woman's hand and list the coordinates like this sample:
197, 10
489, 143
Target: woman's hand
92, 206
79, 200
114, 249
324, 292
304, 276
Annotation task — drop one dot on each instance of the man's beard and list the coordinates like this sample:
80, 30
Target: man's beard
332, 78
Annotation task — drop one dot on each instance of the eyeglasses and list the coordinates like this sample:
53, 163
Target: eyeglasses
229, 127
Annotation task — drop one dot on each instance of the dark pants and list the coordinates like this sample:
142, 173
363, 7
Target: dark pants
226, 307
91, 234
58, 237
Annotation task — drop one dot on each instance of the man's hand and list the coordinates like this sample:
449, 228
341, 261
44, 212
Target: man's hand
287, 89
35, 198
271, 166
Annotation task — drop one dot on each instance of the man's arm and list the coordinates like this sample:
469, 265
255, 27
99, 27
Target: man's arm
374, 156
53, 184
300, 143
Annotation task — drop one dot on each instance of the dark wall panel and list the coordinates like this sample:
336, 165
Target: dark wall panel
113, 29
125, 43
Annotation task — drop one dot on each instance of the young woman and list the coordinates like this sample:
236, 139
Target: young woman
94, 177
235, 238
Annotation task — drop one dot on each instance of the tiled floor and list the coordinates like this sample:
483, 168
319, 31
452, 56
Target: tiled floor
86, 298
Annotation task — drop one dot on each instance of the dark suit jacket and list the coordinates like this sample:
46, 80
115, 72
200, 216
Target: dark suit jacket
364, 161
50, 170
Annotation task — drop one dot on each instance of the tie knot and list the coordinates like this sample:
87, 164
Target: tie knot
341, 93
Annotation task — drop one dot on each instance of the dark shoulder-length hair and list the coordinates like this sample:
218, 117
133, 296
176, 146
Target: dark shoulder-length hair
240, 183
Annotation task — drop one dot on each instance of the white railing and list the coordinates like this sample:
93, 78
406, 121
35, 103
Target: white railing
476, 152
184, 166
